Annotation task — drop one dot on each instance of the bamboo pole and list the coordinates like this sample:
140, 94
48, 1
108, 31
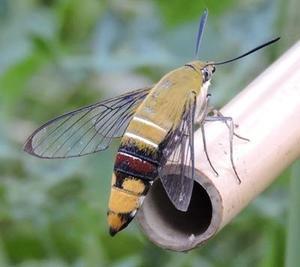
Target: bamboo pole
268, 113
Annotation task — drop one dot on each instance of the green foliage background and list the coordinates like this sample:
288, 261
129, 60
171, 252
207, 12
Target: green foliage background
59, 55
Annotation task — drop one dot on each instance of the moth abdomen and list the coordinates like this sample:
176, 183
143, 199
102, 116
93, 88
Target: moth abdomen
131, 181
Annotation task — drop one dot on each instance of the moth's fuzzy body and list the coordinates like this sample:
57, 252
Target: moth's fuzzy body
139, 155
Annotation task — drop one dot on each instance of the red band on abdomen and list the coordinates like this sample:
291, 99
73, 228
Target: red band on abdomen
135, 166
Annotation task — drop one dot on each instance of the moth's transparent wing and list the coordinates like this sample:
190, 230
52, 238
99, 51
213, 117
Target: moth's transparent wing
86, 130
178, 152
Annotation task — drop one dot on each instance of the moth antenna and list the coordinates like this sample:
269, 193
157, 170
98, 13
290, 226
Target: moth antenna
249, 52
202, 23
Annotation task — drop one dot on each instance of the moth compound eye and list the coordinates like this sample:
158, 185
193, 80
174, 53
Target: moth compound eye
206, 75
213, 69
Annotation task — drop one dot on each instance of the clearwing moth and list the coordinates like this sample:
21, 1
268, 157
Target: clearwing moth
156, 127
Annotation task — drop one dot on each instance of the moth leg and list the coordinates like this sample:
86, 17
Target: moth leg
199, 123
228, 121
202, 112
218, 114
205, 149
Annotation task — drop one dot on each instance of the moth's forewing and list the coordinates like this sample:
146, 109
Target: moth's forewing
86, 130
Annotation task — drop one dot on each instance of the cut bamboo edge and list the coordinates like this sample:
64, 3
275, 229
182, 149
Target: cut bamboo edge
268, 113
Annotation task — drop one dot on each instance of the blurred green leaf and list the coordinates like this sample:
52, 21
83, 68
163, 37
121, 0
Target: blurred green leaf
12, 88
293, 231
177, 11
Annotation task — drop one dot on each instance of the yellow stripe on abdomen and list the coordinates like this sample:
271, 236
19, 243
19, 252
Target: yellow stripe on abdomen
144, 129
122, 201
127, 195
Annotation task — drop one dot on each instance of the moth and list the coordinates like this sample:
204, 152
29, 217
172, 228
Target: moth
156, 125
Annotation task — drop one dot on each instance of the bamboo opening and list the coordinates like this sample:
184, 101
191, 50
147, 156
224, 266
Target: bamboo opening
195, 220
168, 227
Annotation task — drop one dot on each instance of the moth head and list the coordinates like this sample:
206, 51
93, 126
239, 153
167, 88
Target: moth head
205, 69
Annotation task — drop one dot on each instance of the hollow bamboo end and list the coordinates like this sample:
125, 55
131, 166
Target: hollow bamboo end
181, 231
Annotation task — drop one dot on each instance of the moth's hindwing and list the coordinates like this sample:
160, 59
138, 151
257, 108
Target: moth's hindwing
177, 163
